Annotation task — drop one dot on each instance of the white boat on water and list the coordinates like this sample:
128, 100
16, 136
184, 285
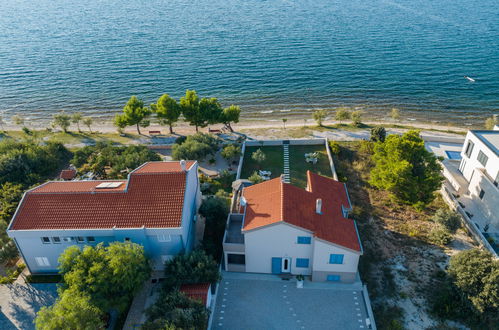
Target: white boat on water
469, 79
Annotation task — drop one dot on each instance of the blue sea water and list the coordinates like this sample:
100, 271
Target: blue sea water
288, 57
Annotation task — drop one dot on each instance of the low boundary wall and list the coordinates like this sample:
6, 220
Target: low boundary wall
296, 142
368, 306
470, 225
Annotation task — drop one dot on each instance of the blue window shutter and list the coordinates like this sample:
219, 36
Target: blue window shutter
333, 278
336, 258
302, 262
276, 265
304, 240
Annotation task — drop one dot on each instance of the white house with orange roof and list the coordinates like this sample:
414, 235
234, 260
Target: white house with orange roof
155, 207
282, 229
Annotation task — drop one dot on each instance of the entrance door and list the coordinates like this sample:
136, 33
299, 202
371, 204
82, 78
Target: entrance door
286, 265
276, 265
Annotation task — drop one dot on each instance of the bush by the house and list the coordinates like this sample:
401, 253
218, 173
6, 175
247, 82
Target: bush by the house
215, 210
447, 218
112, 162
255, 178
196, 147
469, 291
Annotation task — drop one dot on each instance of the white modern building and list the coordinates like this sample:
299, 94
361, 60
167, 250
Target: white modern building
278, 228
480, 167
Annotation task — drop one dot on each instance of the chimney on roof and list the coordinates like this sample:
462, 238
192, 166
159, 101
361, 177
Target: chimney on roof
282, 177
183, 165
318, 206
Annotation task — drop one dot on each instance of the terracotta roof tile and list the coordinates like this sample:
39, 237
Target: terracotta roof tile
67, 174
198, 291
152, 199
274, 201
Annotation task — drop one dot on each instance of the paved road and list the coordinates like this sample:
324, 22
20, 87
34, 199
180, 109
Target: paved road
19, 304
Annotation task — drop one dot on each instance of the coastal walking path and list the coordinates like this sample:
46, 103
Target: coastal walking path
286, 163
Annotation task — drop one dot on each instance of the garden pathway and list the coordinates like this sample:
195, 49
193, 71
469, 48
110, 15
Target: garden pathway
286, 163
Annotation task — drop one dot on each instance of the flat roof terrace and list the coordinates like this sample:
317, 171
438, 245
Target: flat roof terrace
490, 138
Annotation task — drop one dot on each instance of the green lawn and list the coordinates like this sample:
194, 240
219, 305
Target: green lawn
298, 166
273, 163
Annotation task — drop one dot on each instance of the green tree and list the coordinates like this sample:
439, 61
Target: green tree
395, 114
76, 118
62, 120
356, 117
196, 146
231, 151
110, 275
10, 195
255, 178
404, 167
476, 274
195, 267
112, 162
174, 310
319, 116
72, 310
215, 210
167, 110
259, 156
190, 109
88, 121
491, 122
121, 123
447, 218
211, 110
134, 113
284, 120
378, 133
230, 115
342, 114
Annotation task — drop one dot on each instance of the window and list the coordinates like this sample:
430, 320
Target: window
56, 240
238, 259
336, 258
80, 239
127, 239
301, 262
481, 194
482, 158
469, 149
496, 181
304, 240
333, 278
90, 239
45, 240
67, 239
164, 238
42, 261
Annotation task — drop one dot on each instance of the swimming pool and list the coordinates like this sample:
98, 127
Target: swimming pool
453, 155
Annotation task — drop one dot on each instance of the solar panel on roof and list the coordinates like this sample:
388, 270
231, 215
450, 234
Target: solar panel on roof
108, 185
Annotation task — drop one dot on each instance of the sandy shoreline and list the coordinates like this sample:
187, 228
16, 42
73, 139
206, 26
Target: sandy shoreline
183, 128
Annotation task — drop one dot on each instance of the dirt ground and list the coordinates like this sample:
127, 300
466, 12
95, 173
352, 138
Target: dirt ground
399, 262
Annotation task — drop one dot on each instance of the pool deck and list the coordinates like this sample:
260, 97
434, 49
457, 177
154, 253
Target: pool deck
440, 148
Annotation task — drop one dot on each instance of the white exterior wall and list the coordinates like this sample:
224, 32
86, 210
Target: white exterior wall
468, 165
276, 241
321, 263
192, 200
481, 178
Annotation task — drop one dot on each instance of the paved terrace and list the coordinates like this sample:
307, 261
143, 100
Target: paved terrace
260, 301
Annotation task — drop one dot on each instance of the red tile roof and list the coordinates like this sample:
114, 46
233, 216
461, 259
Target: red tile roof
198, 291
274, 201
152, 197
67, 174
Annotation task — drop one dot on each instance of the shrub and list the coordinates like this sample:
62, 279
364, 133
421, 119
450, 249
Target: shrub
231, 151
439, 235
255, 178
195, 267
378, 134
447, 218
366, 147
180, 139
196, 147
334, 147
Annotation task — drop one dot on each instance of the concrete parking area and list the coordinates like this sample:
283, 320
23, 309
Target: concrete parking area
251, 301
19, 303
